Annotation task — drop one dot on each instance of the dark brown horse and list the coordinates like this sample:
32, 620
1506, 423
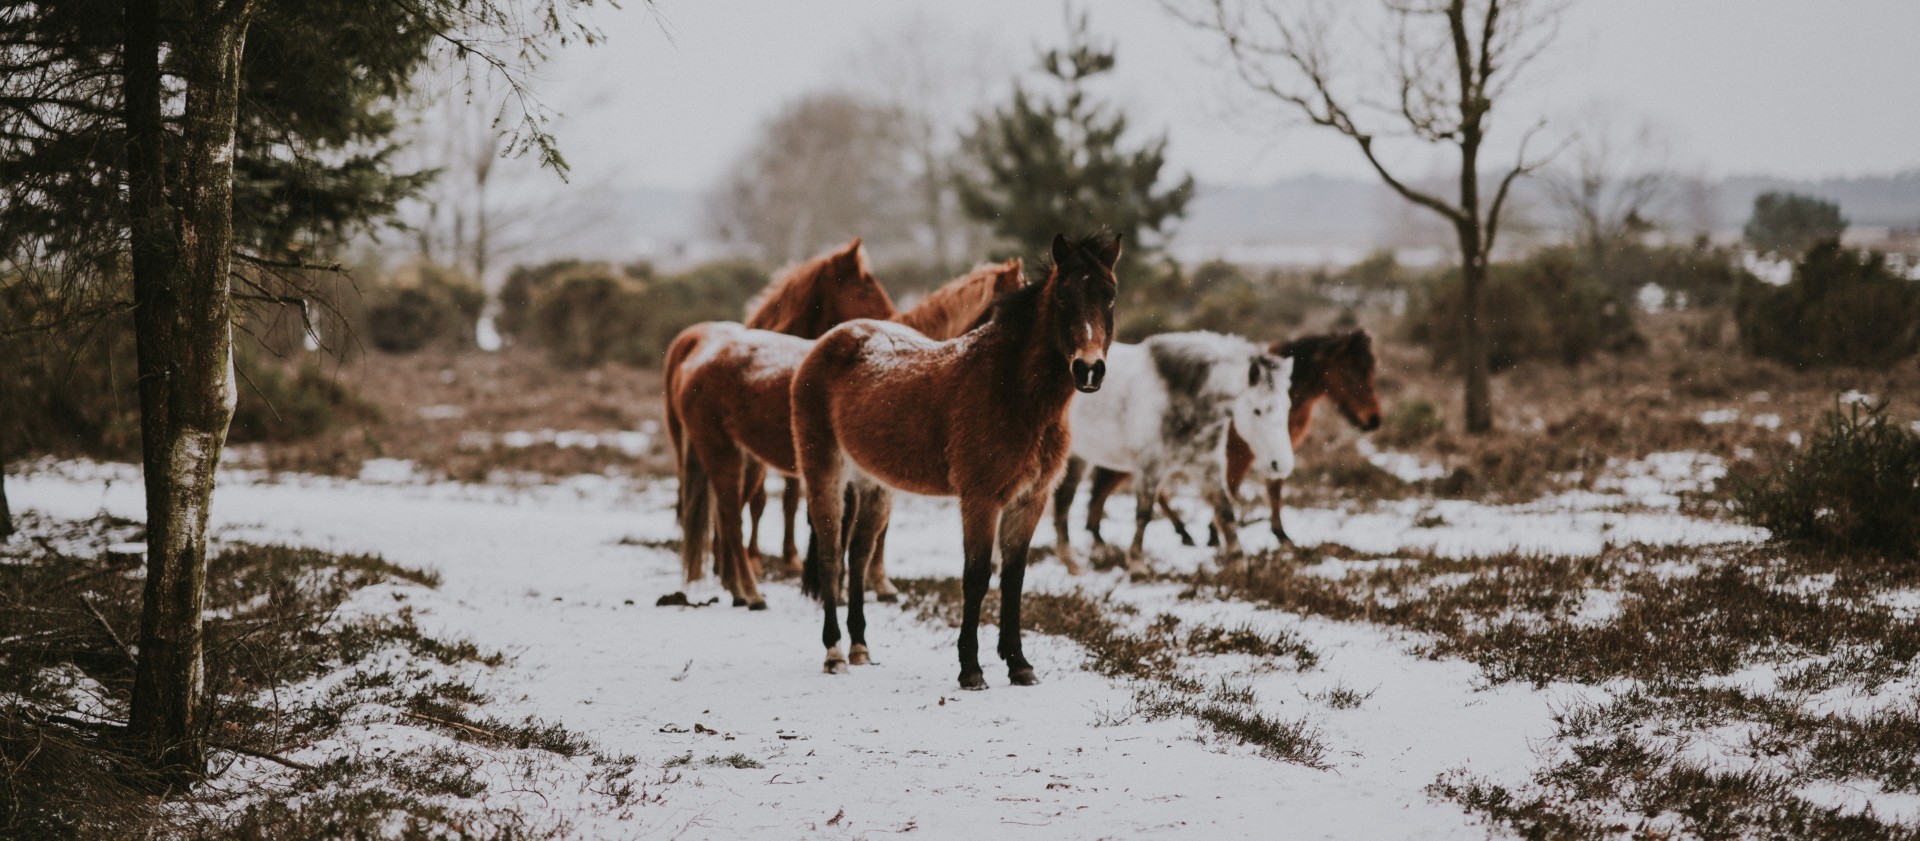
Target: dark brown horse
984, 417
730, 396
1336, 366
803, 301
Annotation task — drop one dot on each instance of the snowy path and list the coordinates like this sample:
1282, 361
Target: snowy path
542, 575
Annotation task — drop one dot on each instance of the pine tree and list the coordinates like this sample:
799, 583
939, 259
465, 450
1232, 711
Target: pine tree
1051, 164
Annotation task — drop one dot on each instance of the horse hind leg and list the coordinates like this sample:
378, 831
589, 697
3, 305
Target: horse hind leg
1225, 518
869, 528
883, 589
729, 545
1145, 497
1105, 483
1179, 526
789, 510
756, 489
1062, 501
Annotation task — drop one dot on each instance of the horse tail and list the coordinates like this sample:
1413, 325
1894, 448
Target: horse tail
814, 578
696, 514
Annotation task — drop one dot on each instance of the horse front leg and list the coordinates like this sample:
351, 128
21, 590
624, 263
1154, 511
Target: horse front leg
1274, 493
1062, 502
979, 519
1016, 536
870, 518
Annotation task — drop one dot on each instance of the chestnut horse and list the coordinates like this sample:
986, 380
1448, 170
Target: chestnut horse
1337, 366
877, 406
954, 308
731, 399
804, 301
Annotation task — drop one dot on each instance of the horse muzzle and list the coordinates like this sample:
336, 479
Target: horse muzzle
1087, 377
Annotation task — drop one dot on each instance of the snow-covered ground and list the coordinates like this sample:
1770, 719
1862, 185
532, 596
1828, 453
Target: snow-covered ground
560, 577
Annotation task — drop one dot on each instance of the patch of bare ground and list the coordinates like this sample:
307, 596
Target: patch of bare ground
455, 415
1557, 428
1151, 659
1690, 644
287, 670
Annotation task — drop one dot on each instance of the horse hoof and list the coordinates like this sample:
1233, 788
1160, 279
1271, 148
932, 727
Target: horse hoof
739, 602
760, 604
836, 662
1281, 535
973, 681
887, 598
1023, 676
858, 656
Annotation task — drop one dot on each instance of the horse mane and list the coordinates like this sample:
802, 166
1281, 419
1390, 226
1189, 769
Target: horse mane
793, 293
1189, 363
1354, 346
961, 304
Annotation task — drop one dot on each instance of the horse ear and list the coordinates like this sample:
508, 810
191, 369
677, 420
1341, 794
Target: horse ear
1062, 250
1108, 252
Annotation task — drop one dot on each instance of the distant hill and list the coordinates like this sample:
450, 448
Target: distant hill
1310, 218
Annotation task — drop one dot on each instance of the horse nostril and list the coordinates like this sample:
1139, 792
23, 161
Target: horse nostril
1099, 371
1274, 465
1373, 423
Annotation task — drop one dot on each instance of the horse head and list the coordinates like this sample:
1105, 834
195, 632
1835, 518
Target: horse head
1081, 291
1350, 380
1260, 413
851, 291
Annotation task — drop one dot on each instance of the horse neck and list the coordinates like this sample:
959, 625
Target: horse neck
1027, 376
1305, 389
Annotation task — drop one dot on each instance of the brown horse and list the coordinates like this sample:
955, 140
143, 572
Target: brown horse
805, 301
947, 312
1337, 366
983, 417
730, 396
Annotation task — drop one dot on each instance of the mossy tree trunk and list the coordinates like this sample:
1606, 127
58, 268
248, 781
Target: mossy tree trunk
181, 237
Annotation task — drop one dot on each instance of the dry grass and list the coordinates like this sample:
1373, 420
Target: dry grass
445, 410
66, 610
1152, 660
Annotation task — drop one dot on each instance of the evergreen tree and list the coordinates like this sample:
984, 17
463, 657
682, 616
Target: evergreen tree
1789, 223
152, 151
1048, 164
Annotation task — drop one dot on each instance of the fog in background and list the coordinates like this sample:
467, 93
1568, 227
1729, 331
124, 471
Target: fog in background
1743, 96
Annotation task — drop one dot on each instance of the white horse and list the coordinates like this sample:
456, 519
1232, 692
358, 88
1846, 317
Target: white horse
1163, 416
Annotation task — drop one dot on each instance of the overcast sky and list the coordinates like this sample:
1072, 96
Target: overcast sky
1796, 88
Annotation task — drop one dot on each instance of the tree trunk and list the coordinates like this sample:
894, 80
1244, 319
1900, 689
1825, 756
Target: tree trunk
1479, 393
6, 512
181, 236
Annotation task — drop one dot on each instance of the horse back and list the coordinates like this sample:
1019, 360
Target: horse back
884, 393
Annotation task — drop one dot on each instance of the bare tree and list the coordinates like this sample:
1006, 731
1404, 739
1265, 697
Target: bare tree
1617, 172
828, 167
935, 81
1445, 65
